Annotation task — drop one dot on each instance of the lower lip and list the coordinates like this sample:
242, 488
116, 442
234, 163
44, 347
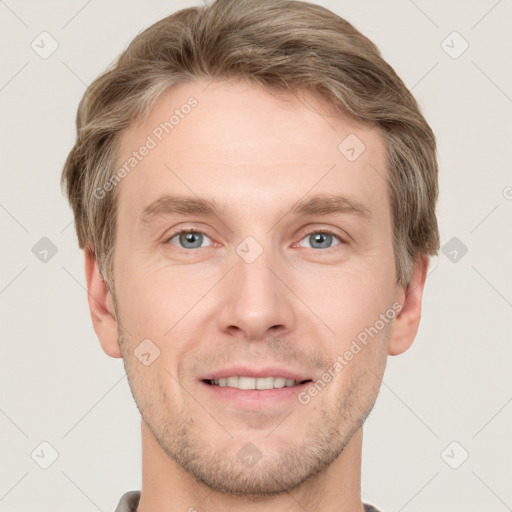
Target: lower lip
255, 397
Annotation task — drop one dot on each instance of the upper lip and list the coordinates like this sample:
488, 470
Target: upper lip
260, 372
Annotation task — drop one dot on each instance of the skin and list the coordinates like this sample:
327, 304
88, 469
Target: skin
297, 305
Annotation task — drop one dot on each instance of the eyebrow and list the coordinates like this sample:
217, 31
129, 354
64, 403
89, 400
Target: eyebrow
322, 204
327, 204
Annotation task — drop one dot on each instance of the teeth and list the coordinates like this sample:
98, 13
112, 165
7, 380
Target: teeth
264, 383
232, 382
243, 382
279, 382
246, 383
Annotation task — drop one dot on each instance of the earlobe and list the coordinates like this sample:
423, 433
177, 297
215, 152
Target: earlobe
101, 307
406, 323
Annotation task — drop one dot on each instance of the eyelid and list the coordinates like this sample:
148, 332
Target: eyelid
341, 235
341, 239
176, 232
303, 234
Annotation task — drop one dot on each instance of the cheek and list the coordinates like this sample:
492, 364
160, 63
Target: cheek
148, 308
152, 296
151, 309
346, 300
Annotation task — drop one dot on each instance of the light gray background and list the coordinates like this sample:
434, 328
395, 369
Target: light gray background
454, 384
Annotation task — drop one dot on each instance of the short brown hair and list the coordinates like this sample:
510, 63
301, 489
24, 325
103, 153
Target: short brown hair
282, 45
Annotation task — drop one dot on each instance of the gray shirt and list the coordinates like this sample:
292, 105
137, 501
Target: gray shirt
130, 501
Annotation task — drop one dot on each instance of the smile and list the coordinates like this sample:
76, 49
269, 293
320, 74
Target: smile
248, 383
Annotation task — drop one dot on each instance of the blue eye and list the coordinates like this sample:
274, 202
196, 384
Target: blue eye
321, 240
189, 239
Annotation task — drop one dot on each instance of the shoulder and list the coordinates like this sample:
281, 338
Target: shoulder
129, 502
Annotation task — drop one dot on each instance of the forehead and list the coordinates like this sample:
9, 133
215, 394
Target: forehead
244, 146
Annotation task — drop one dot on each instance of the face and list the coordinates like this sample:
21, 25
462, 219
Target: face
253, 251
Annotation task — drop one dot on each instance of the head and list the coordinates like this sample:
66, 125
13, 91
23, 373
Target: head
253, 186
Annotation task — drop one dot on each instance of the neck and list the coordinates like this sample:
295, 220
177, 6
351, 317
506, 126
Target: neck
166, 487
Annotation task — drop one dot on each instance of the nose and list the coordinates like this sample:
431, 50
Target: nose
255, 301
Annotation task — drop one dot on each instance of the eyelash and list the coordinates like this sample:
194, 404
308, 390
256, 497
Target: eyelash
322, 231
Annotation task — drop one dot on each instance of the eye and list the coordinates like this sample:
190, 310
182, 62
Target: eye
321, 240
189, 239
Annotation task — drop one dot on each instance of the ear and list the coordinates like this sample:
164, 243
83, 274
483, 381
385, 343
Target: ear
101, 306
406, 323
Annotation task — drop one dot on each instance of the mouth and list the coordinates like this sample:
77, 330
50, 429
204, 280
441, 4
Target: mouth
248, 383
255, 388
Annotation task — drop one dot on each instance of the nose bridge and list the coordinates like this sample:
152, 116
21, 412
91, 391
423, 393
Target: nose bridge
254, 299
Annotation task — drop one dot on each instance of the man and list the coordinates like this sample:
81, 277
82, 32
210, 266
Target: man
254, 189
